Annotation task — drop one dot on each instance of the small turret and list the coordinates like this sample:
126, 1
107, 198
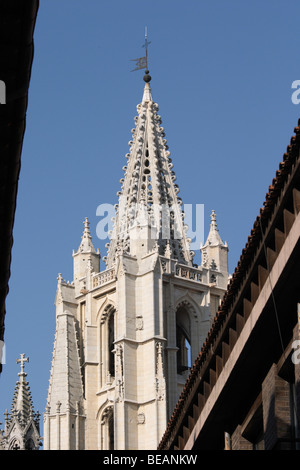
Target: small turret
86, 257
215, 251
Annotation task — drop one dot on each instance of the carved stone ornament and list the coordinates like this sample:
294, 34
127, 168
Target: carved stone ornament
160, 385
139, 322
141, 418
119, 373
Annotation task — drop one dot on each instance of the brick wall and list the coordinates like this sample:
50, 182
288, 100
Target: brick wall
276, 411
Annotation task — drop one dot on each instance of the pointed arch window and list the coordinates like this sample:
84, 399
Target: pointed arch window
111, 346
29, 445
14, 445
108, 439
183, 340
107, 348
110, 430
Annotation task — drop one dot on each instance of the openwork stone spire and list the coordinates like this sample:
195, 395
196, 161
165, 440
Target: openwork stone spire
149, 188
22, 405
22, 423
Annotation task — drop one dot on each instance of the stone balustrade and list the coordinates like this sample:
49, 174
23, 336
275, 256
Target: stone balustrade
100, 279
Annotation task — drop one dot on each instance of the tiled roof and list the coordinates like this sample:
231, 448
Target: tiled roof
289, 158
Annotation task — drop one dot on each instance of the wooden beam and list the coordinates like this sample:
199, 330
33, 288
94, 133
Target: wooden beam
206, 389
212, 377
288, 219
232, 338
181, 443
247, 307
262, 276
191, 422
196, 412
186, 433
225, 352
240, 322
296, 201
201, 401
197, 408
254, 292
219, 365
279, 240
271, 257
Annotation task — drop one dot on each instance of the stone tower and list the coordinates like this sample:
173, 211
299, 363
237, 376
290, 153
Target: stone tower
128, 332
22, 423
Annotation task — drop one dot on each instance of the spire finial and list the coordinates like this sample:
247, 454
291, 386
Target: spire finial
147, 77
213, 238
86, 239
213, 218
146, 47
86, 232
21, 361
142, 62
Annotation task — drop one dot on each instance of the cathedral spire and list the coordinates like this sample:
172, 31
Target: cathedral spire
21, 424
86, 244
149, 181
22, 402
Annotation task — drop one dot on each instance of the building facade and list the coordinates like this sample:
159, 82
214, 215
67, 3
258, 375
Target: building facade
128, 332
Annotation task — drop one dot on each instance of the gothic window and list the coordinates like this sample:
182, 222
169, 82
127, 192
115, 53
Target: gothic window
107, 345
183, 340
29, 445
82, 330
107, 422
111, 339
110, 430
14, 445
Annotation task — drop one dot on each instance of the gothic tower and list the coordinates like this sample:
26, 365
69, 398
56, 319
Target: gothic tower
127, 333
22, 423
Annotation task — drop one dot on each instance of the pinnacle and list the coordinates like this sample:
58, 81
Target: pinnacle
213, 236
86, 244
86, 228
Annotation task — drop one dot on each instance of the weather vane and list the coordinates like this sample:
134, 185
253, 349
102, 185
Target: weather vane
142, 62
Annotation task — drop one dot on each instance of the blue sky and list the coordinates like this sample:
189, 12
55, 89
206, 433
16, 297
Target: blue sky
221, 73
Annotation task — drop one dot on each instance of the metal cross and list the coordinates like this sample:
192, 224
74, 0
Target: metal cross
142, 62
22, 361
